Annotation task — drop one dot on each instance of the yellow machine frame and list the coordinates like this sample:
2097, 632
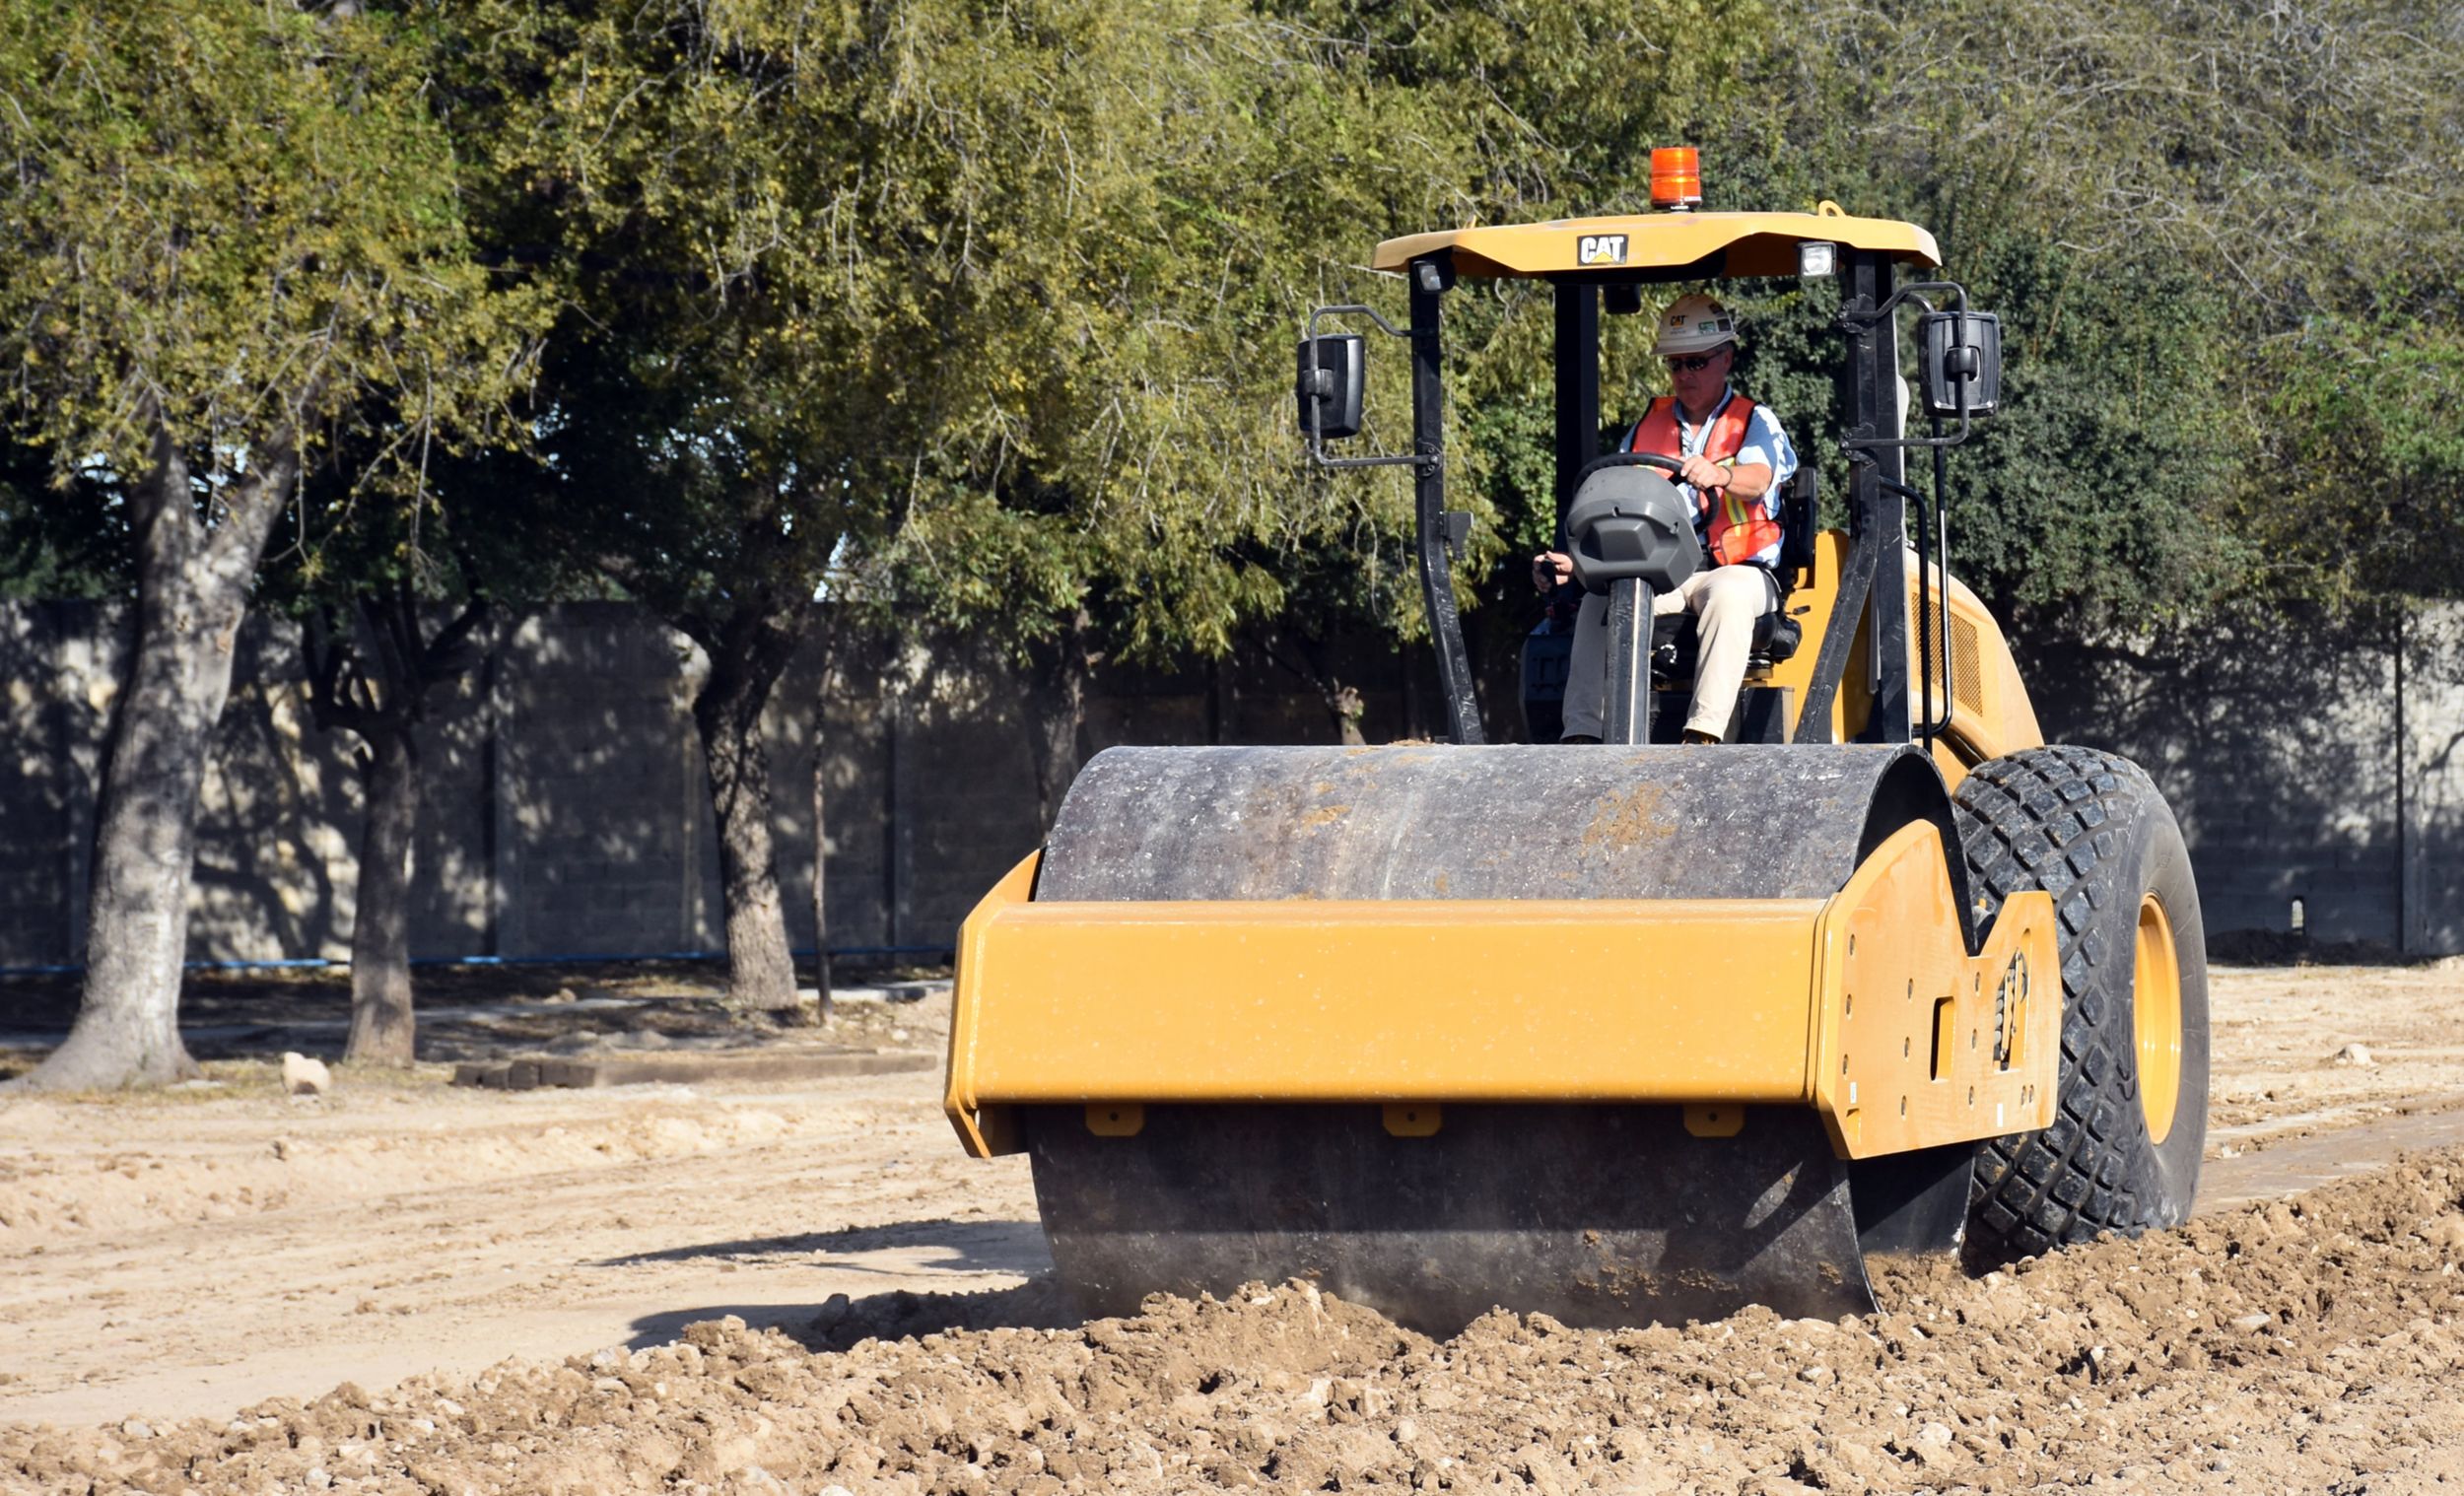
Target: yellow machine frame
1992, 715
1745, 1001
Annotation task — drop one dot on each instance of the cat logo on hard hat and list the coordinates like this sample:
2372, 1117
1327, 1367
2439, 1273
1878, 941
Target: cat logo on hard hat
1599, 249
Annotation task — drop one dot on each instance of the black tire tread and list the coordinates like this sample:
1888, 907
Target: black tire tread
2044, 818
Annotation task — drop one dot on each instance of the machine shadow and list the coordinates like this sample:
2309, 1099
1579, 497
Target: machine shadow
974, 1247
842, 1322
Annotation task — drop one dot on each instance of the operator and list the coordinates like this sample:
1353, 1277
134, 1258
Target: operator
1735, 459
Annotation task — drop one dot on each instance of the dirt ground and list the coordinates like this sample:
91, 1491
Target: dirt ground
413, 1287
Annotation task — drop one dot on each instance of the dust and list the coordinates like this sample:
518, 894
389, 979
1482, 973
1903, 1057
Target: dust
2297, 1345
1628, 819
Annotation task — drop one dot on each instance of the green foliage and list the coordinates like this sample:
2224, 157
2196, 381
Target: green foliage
985, 311
854, 293
1238, 174
54, 544
2092, 498
2367, 465
241, 223
2163, 198
1147, 469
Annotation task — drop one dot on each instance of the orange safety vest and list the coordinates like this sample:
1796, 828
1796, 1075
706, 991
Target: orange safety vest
1735, 530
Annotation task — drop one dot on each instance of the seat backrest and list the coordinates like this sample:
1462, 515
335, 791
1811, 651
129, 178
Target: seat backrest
1800, 521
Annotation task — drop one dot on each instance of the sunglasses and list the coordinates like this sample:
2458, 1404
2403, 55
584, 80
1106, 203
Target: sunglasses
1694, 364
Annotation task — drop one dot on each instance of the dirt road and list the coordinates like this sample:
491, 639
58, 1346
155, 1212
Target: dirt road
187, 1255
192, 1252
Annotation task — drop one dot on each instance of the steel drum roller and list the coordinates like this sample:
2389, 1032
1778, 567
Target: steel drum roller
1597, 1213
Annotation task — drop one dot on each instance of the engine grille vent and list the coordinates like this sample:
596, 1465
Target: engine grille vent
1968, 667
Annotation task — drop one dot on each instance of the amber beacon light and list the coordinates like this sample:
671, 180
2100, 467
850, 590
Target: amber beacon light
1675, 178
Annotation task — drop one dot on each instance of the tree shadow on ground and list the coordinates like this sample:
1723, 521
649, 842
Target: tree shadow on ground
2259, 947
843, 1321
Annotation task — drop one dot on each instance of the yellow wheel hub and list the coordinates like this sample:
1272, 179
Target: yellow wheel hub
2157, 1018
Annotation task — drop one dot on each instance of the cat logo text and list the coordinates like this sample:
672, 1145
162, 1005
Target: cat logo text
1599, 249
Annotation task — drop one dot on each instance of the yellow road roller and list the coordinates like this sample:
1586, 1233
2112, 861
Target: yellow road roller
1630, 1030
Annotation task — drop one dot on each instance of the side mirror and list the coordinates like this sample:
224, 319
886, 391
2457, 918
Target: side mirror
1333, 376
1963, 363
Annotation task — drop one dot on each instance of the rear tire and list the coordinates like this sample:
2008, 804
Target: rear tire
2122, 1153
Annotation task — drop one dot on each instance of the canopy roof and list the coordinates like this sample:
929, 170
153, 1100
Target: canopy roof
1705, 246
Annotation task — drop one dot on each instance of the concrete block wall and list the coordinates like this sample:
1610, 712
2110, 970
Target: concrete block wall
2301, 764
598, 812
46, 670
565, 812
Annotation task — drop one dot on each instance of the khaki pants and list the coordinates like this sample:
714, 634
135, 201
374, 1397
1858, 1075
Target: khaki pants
1727, 602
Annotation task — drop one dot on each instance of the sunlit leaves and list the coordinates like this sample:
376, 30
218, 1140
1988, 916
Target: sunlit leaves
238, 219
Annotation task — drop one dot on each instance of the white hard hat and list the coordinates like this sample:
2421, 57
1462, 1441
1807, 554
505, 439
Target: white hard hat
1694, 325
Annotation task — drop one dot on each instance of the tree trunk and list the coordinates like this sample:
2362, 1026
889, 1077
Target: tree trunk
371, 678
1219, 699
727, 713
191, 596
1056, 711
1343, 703
381, 1022
1309, 658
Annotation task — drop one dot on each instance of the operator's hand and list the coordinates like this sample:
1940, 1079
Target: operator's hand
1703, 473
1552, 569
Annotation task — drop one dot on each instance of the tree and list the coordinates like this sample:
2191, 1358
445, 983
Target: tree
394, 607
810, 256
1161, 509
397, 603
373, 672
2367, 460
729, 550
2163, 198
223, 230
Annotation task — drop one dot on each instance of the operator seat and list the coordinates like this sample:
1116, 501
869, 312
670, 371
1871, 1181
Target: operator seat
1673, 638
1548, 649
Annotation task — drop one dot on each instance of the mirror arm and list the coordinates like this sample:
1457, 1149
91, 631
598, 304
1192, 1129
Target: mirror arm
1914, 290
1316, 439
1371, 313
1852, 318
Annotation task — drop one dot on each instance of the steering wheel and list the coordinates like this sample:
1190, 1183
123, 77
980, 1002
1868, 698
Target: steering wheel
1671, 466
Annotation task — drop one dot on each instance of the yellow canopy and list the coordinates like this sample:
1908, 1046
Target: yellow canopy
1756, 244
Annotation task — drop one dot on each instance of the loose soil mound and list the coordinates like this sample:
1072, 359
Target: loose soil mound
2303, 1345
